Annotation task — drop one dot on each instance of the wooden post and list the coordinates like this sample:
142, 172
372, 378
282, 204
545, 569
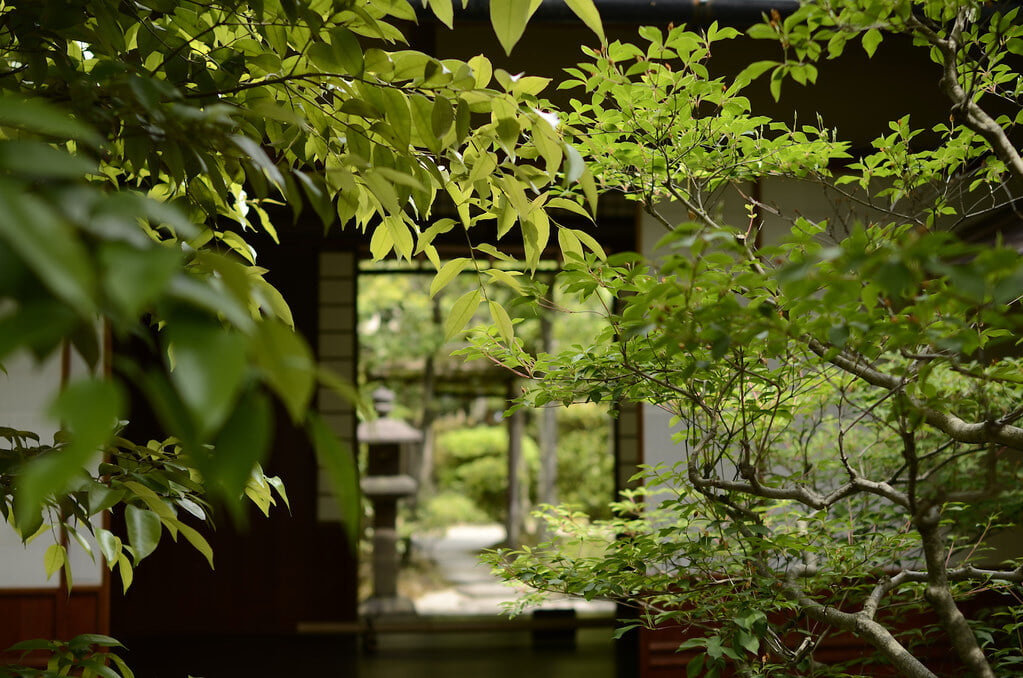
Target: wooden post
513, 521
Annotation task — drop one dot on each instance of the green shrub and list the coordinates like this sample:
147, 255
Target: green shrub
585, 459
473, 462
450, 508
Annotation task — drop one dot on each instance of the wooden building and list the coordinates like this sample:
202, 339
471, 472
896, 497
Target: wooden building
279, 578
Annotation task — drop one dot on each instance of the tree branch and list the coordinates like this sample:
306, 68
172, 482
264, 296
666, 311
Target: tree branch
965, 432
939, 595
861, 625
964, 107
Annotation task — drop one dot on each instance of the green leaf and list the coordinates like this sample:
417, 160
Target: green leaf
570, 205
209, 295
461, 313
85, 640
208, 365
442, 116
509, 19
33, 644
591, 243
836, 45
54, 558
38, 235
754, 71
109, 545
894, 277
86, 546
339, 462
569, 243
133, 278
260, 159
749, 642
124, 567
503, 322
838, 335
34, 115
287, 363
399, 116
242, 443
695, 666
193, 537
587, 11
536, 231
381, 243
151, 499
443, 10
777, 75
102, 497
400, 235
516, 195
549, 146
505, 278
40, 160
446, 274
347, 50
38, 326
383, 190
122, 666
871, 39
144, 530
589, 187
482, 70
94, 666
719, 347
421, 110
278, 485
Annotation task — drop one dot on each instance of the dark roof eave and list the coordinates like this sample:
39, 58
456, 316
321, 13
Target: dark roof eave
737, 13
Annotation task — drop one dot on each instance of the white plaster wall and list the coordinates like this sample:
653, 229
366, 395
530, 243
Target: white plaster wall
25, 393
790, 197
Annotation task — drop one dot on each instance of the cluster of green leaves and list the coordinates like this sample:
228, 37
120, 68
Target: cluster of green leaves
79, 260
656, 125
86, 655
140, 142
846, 395
153, 485
973, 46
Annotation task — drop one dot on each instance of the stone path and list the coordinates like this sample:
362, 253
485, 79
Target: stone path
472, 589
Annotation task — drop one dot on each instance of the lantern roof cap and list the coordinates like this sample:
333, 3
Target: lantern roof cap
384, 429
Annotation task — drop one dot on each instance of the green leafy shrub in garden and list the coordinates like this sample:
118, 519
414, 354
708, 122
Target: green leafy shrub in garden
585, 459
450, 508
473, 462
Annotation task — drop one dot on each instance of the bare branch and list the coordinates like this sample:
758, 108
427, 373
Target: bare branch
800, 493
863, 626
965, 432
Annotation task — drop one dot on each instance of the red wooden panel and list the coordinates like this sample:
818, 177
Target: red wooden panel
48, 613
26, 614
659, 658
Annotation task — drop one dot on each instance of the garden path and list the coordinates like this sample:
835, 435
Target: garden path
472, 589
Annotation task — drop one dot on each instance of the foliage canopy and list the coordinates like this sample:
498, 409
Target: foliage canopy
845, 387
847, 391
142, 145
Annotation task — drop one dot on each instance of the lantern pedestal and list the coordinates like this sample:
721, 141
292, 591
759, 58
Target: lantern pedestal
386, 483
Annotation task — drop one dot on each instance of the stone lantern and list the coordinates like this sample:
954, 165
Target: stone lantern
388, 443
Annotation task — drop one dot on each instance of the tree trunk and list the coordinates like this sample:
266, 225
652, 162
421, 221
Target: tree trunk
424, 473
939, 595
547, 491
516, 506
